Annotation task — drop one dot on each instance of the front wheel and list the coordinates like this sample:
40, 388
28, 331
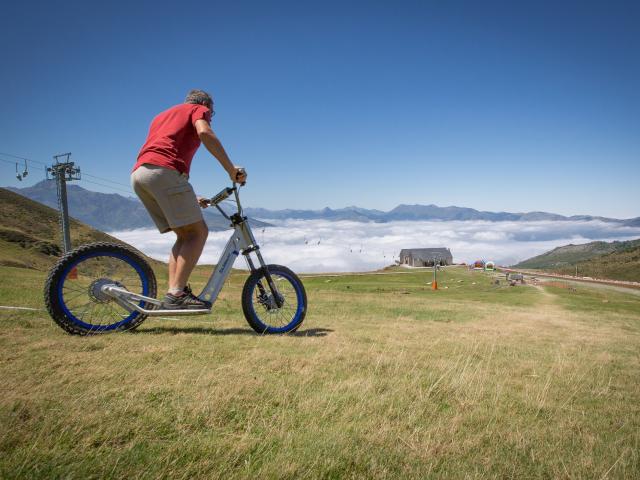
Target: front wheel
281, 311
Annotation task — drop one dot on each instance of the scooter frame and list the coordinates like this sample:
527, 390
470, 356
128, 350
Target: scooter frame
241, 241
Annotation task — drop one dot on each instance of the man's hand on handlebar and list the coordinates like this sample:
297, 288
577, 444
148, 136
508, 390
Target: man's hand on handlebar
238, 175
204, 202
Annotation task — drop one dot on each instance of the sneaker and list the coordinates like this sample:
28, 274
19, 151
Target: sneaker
186, 301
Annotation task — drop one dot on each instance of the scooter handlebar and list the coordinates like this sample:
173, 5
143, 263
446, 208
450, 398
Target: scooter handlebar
220, 196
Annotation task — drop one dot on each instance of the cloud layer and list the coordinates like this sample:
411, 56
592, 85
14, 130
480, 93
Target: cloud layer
325, 246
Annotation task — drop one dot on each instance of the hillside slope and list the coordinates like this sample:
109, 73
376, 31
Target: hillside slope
619, 265
615, 260
30, 233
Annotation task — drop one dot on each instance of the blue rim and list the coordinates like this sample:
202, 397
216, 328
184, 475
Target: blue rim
89, 326
300, 298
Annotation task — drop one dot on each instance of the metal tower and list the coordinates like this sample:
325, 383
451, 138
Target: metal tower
63, 172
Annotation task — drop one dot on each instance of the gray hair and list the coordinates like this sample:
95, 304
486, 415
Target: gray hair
199, 97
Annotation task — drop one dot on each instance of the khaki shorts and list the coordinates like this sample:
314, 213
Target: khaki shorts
167, 195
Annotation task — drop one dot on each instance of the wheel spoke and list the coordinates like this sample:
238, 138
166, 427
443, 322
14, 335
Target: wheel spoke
77, 295
74, 289
115, 311
114, 314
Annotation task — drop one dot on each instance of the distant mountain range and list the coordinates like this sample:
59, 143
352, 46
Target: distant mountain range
113, 212
109, 212
421, 212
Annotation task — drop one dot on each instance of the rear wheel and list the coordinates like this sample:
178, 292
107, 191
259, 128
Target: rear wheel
280, 313
73, 293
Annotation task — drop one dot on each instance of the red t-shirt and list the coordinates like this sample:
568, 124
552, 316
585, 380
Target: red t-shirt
172, 139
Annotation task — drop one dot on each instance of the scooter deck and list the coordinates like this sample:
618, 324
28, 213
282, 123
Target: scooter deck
173, 312
130, 301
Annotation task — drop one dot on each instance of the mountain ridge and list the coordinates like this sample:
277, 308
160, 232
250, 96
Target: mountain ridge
113, 212
423, 212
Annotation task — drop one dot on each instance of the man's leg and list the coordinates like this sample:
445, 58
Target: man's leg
173, 261
185, 253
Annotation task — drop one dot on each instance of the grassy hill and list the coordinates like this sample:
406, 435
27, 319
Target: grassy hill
615, 260
30, 234
619, 265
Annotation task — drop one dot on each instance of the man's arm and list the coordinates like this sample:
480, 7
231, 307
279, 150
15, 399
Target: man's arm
211, 142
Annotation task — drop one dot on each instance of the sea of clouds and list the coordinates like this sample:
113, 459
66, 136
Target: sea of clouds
326, 246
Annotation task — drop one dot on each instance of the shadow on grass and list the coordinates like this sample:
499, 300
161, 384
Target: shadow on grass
310, 332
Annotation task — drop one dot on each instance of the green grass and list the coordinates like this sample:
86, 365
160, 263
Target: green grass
595, 300
386, 379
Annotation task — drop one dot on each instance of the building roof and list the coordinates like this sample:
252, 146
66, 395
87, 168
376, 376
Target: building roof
426, 253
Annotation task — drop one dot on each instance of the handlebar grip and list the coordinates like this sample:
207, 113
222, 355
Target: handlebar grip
241, 171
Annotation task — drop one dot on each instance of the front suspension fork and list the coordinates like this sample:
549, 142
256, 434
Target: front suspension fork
272, 286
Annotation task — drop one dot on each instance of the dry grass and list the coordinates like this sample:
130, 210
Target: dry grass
387, 379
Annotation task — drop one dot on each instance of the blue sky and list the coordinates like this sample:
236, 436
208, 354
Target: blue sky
509, 106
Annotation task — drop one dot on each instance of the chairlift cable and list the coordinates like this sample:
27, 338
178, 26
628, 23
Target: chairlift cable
107, 186
104, 179
21, 158
25, 159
